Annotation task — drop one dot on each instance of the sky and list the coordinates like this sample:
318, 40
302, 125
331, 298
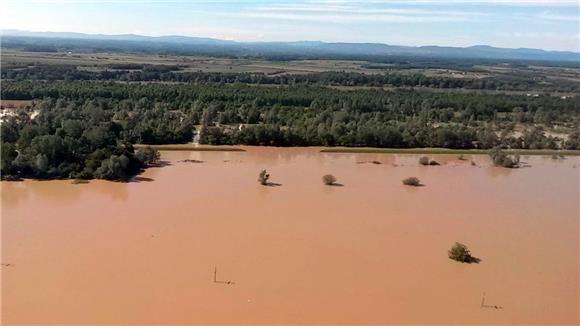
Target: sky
542, 24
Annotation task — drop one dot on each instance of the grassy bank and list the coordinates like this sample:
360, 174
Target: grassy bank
446, 151
191, 147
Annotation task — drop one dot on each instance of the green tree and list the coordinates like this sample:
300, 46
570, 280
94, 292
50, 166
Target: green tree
263, 177
329, 179
459, 252
412, 181
8, 154
114, 168
501, 158
147, 155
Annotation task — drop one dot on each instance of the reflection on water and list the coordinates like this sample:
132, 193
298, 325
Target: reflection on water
370, 252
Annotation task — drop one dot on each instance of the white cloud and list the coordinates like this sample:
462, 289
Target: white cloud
344, 18
359, 10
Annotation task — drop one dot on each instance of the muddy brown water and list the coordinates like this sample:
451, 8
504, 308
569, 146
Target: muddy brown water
370, 252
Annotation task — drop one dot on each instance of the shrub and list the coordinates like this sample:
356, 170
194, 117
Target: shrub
328, 179
424, 160
460, 253
501, 158
114, 168
147, 155
412, 181
263, 177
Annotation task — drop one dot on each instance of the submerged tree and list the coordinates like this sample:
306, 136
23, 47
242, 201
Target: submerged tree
459, 252
501, 158
424, 160
147, 155
114, 168
263, 178
412, 181
329, 179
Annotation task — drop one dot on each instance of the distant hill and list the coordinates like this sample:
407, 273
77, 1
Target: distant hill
174, 44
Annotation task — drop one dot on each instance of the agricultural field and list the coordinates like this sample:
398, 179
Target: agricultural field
543, 79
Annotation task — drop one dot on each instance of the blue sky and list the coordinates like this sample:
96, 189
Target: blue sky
544, 24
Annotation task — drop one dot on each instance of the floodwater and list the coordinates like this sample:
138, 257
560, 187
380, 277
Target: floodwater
371, 251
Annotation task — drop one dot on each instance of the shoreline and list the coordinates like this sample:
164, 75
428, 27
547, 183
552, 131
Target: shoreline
358, 150
370, 150
192, 147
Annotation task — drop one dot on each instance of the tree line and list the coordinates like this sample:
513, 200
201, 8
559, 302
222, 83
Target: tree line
85, 129
172, 73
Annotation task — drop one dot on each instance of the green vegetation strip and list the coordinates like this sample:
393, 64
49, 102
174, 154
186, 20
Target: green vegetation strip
446, 151
189, 147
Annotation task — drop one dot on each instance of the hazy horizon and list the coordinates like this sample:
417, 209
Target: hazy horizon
538, 24
18, 32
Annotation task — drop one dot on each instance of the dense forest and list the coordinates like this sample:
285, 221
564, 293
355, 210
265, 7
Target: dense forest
84, 129
171, 73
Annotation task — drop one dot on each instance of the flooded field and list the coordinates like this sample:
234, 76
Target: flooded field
371, 251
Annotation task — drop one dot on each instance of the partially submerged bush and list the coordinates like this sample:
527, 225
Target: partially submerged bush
329, 179
263, 178
412, 181
501, 158
424, 160
459, 252
147, 155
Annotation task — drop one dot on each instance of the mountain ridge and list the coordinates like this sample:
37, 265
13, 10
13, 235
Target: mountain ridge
479, 51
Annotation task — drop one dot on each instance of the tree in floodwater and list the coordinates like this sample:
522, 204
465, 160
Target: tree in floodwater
424, 160
329, 179
7, 156
263, 178
412, 181
114, 168
459, 252
501, 158
147, 155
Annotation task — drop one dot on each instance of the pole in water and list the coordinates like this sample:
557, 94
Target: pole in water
215, 280
483, 305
